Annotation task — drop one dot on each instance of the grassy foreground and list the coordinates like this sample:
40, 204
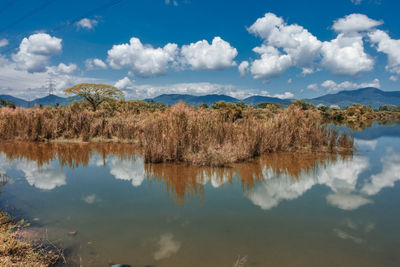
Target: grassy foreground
14, 251
216, 136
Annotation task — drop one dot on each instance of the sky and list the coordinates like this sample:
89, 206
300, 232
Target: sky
286, 49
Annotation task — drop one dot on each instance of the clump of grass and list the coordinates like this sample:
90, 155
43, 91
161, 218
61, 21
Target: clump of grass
215, 136
15, 251
358, 116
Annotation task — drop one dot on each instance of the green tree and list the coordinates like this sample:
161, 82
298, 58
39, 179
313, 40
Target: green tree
5, 103
95, 94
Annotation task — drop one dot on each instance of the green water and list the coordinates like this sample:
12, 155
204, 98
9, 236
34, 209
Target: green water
280, 210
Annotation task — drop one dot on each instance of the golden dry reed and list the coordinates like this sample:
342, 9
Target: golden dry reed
223, 134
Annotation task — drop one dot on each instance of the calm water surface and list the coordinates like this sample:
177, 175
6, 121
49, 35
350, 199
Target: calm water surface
280, 210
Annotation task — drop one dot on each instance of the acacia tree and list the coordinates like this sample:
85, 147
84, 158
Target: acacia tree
95, 94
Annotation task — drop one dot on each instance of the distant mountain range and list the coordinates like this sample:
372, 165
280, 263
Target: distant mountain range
49, 100
171, 99
366, 96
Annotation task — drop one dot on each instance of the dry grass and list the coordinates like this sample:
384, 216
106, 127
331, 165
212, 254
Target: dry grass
14, 251
213, 138
358, 117
218, 136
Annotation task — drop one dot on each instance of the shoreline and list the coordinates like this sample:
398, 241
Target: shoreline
218, 136
17, 250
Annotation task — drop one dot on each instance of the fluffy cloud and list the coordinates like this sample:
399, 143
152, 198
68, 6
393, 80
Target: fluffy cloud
286, 95
356, 2
174, 2
167, 246
332, 86
313, 86
347, 201
3, 42
204, 56
144, 60
272, 63
345, 55
387, 178
243, 67
35, 52
355, 23
95, 63
86, 23
393, 78
63, 68
45, 177
287, 45
298, 43
27, 85
130, 170
390, 47
90, 199
124, 83
306, 71
341, 177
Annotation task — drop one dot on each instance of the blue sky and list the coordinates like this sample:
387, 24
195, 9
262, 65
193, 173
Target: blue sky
283, 48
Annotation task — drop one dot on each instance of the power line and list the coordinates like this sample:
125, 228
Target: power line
27, 15
88, 14
8, 5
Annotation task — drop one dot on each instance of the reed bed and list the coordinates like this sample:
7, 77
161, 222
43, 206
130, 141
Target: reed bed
216, 136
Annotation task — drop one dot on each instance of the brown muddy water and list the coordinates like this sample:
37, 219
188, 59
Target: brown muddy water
105, 206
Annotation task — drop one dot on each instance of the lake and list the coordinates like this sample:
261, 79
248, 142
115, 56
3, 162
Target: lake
104, 205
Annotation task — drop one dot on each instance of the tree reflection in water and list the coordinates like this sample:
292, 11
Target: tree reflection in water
180, 181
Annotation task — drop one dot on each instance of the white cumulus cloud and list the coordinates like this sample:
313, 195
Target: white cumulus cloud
286, 95
297, 42
347, 201
345, 55
28, 85
124, 83
205, 56
291, 45
35, 51
3, 42
45, 177
390, 47
332, 86
86, 23
355, 23
64, 69
243, 67
313, 86
130, 170
387, 178
143, 60
95, 63
272, 63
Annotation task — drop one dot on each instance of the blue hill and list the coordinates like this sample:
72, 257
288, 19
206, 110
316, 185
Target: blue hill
365, 96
